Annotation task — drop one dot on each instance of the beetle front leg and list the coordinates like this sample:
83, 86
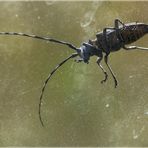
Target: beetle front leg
104, 71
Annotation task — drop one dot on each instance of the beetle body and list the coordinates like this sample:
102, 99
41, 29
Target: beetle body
133, 31
113, 39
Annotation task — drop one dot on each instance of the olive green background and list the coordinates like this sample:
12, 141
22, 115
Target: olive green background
77, 109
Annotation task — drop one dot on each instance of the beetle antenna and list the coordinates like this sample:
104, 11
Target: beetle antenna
48, 78
41, 38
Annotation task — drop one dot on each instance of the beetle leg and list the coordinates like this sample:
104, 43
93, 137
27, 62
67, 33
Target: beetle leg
134, 47
116, 27
113, 75
117, 21
104, 71
118, 31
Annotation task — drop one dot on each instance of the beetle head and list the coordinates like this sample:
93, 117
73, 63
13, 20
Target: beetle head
85, 52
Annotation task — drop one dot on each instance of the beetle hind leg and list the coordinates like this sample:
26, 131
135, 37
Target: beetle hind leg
110, 69
135, 47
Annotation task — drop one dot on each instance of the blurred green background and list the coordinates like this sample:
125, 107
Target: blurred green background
77, 110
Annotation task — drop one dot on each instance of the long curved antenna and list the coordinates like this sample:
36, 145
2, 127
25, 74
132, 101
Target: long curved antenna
45, 83
41, 38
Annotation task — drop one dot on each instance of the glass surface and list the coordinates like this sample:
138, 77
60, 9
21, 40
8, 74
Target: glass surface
77, 109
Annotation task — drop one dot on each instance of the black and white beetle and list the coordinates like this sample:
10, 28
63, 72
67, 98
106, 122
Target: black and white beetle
108, 40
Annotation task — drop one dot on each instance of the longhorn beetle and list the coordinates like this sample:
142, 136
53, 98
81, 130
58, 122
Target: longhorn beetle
109, 40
